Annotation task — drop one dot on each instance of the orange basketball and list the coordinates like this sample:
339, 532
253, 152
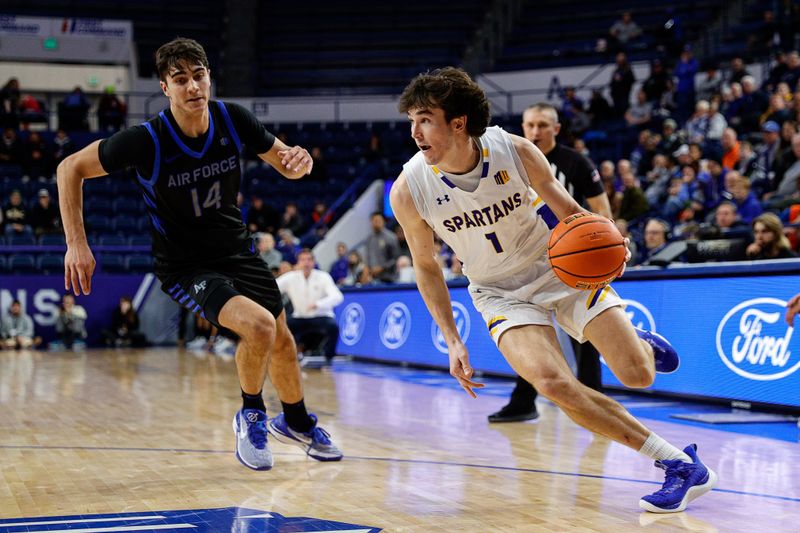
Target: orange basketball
586, 251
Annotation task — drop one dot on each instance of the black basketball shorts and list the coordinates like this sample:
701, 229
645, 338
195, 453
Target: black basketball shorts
206, 287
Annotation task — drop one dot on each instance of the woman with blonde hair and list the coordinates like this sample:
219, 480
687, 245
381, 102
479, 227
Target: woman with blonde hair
769, 242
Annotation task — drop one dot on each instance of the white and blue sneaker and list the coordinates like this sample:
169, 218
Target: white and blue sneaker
684, 483
667, 360
252, 450
316, 442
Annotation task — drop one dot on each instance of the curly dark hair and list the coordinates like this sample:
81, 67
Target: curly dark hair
180, 49
452, 90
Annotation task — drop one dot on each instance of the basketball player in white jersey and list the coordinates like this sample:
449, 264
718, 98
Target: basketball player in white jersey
492, 198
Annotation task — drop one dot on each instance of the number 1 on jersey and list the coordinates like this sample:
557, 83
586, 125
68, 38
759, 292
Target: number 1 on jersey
213, 199
496, 243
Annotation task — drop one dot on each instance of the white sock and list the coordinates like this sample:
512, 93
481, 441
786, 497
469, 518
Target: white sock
658, 449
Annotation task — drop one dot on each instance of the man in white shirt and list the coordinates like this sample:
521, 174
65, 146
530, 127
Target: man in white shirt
313, 294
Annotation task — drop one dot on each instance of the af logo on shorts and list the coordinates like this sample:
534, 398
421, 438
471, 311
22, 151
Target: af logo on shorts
461, 318
395, 325
351, 324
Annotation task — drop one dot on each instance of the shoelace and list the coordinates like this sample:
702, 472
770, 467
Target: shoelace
257, 433
320, 435
677, 472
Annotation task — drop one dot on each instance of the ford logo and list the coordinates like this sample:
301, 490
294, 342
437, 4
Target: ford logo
461, 318
754, 342
395, 325
351, 324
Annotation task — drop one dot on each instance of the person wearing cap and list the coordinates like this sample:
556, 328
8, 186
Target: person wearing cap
763, 179
44, 215
730, 149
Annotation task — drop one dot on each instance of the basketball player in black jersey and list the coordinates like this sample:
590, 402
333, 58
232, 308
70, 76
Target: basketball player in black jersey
577, 174
188, 169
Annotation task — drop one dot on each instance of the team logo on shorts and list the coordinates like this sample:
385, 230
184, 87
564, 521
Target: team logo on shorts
395, 325
351, 324
461, 318
639, 315
754, 342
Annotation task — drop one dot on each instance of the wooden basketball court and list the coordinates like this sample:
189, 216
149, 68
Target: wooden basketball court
142, 431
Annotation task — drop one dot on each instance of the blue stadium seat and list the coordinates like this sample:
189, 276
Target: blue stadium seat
126, 206
123, 224
21, 240
99, 206
111, 263
140, 264
140, 240
98, 224
22, 264
113, 240
52, 239
50, 264
3, 264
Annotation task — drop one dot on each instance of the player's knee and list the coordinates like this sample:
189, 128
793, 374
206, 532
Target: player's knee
637, 376
258, 328
557, 388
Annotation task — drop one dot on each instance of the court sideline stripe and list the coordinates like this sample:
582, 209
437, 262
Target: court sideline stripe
394, 460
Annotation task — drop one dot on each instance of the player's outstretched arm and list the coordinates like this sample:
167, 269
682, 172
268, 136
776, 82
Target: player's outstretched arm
430, 281
293, 162
541, 179
78, 262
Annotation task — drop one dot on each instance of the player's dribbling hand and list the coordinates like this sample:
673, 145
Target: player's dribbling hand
627, 242
296, 158
461, 370
792, 308
79, 266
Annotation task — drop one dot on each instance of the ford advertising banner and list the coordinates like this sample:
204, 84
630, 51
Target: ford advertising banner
729, 331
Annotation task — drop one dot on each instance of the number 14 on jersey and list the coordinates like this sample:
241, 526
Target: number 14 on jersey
213, 199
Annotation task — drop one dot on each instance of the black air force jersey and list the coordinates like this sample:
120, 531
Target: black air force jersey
190, 192
575, 172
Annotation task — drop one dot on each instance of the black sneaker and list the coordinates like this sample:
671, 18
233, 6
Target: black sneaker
511, 413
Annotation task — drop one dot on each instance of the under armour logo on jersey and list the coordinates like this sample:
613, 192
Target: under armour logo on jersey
502, 177
224, 141
199, 287
443, 199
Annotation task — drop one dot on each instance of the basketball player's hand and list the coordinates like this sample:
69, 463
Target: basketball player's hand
79, 266
628, 255
296, 158
461, 370
792, 308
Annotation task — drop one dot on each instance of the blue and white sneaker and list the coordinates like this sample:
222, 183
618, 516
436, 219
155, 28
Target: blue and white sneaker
316, 442
252, 450
684, 483
667, 360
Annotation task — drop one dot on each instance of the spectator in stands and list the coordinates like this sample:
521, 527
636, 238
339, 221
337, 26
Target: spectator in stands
788, 174
655, 84
640, 113
788, 129
358, 271
62, 147
314, 295
71, 324
712, 181
31, 110
656, 235
730, 149
657, 180
9, 104
339, 267
44, 216
776, 111
674, 203
16, 330
288, 245
374, 150
292, 220
321, 216
624, 31
319, 172
74, 111
776, 72
738, 190
622, 226
731, 106
36, 161
402, 244
111, 111
261, 216
765, 38
710, 84
726, 222
11, 148
792, 74
763, 177
124, 329
381, 250
754, 103
622, 80
671, 139
769, 242
748, 161
606, 169
685, 71
267, 251
599, 109
738, 71
634, 202
15, 215
405, 271
614, 196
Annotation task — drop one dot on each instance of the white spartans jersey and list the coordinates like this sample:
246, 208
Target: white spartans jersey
497, 230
